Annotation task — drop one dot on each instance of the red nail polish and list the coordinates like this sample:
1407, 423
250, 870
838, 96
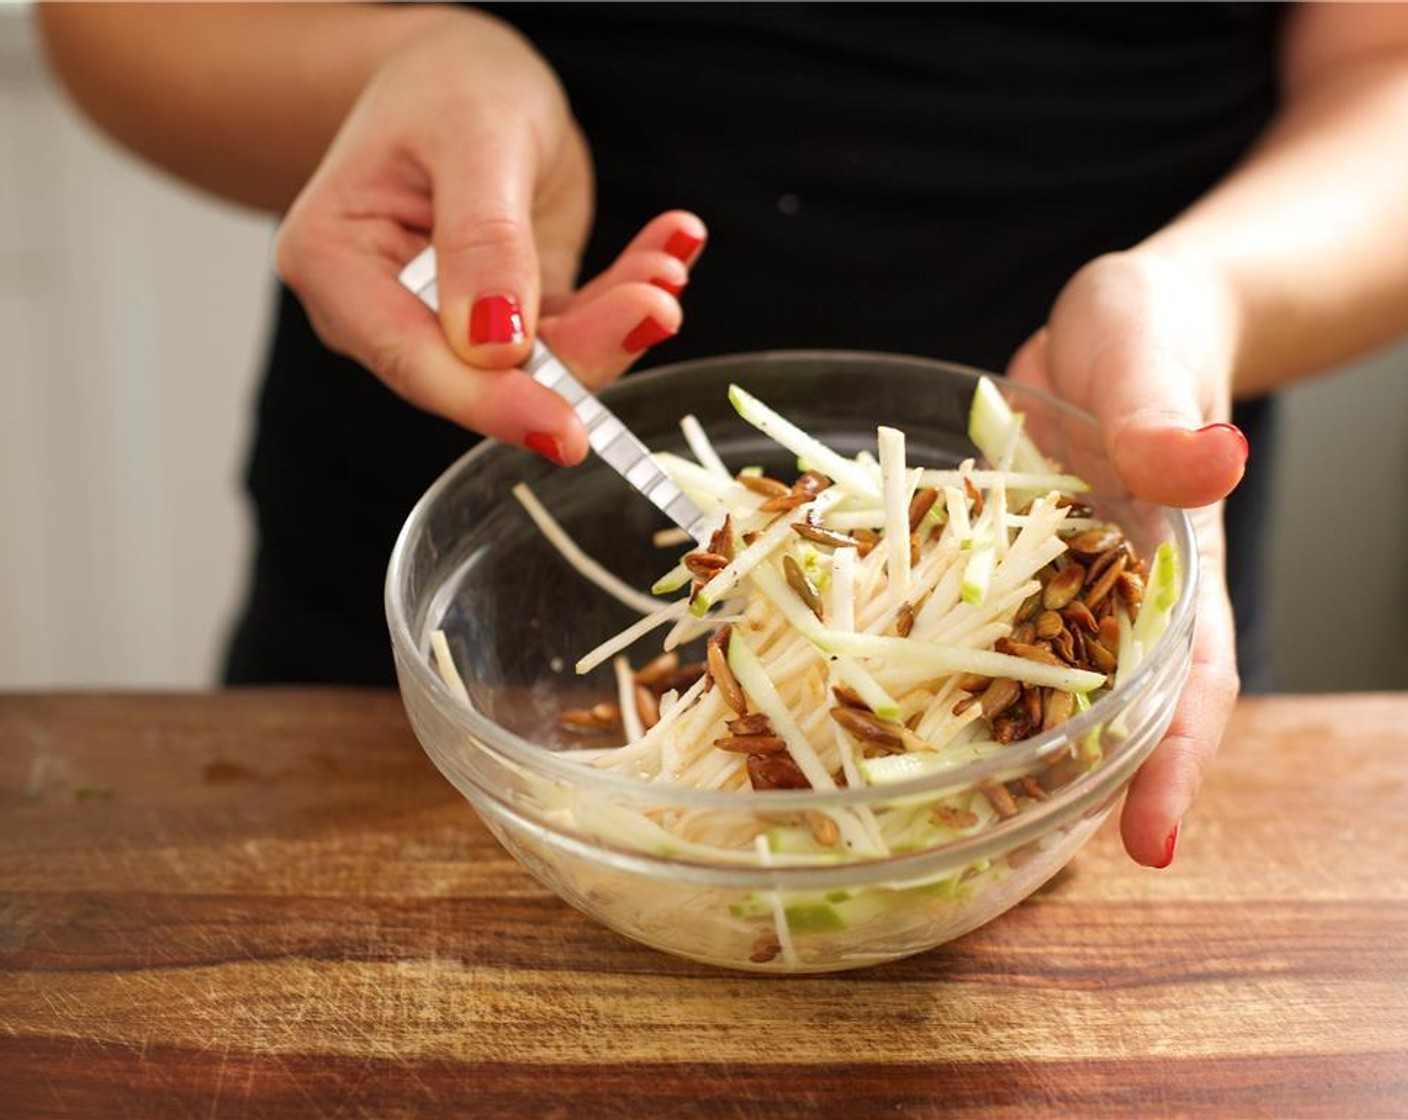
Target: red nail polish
646, 334
1169, 845
545, 445
1236, 431
495, 319
683, 246
668, 286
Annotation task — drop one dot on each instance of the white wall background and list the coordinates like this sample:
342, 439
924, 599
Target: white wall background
132, 313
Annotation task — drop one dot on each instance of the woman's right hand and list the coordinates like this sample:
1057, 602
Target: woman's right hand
463, 138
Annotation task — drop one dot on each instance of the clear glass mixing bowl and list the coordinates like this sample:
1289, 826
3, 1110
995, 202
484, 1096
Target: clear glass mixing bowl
517, 616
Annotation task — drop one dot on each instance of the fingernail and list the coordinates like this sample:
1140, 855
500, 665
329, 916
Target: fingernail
545, 445
495, 319
682, 246
1236, 431
668, 286
1169, 845
646, 334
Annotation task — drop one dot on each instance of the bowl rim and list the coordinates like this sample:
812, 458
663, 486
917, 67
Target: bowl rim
545, 763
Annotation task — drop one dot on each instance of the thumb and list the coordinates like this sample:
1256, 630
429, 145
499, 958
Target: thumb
1155, 430
1145, 342
487, 263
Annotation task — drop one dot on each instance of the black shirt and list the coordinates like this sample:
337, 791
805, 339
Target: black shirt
913, 178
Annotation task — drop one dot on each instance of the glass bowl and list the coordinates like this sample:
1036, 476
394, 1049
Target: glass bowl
516, 616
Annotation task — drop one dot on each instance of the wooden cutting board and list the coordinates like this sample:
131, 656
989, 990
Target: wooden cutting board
269, 904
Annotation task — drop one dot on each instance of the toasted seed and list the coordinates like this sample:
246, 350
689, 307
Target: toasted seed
762, 484
824, 536
1067, 646
1031, 698
904, 620
919, 505
1110, 633
1026, 632
973, 682
750, 536
823, 829
999, 696
1077, 507
1130, 587
783, 503
647, 707
1078, 615
950, 817
1062, 772
1011, 726
804, 587
776, 771
1100, 657
913, 550
766, 947
1057, 709
1063, 587
975, 495
1029, 608
607, 713
682, 678
865, 540
1102, 587
1093, 542
581, 719
751, 744
999, 798
653, 672
1101, 562
721, 542
870, 728
849, 697
754, 723
1027, 651
704, 565
723, 676
964, 704
913, 722
1048, 624
811, 483
1030, 787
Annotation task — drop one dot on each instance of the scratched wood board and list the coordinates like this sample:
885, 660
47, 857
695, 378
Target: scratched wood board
269, 904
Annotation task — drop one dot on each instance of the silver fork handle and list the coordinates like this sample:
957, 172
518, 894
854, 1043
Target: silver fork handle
608, 436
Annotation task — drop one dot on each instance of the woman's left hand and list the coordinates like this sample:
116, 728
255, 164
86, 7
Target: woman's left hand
1146, 343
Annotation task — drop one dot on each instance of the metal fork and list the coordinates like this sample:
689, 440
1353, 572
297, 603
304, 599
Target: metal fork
608, 436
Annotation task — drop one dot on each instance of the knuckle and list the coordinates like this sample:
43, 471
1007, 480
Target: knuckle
326, 332
1219, 682
482, 235
1190, 757
391, 363
1229, 686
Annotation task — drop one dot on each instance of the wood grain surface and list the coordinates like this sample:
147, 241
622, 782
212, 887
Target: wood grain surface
269, 904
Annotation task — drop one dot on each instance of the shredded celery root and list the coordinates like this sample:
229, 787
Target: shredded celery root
871, 621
